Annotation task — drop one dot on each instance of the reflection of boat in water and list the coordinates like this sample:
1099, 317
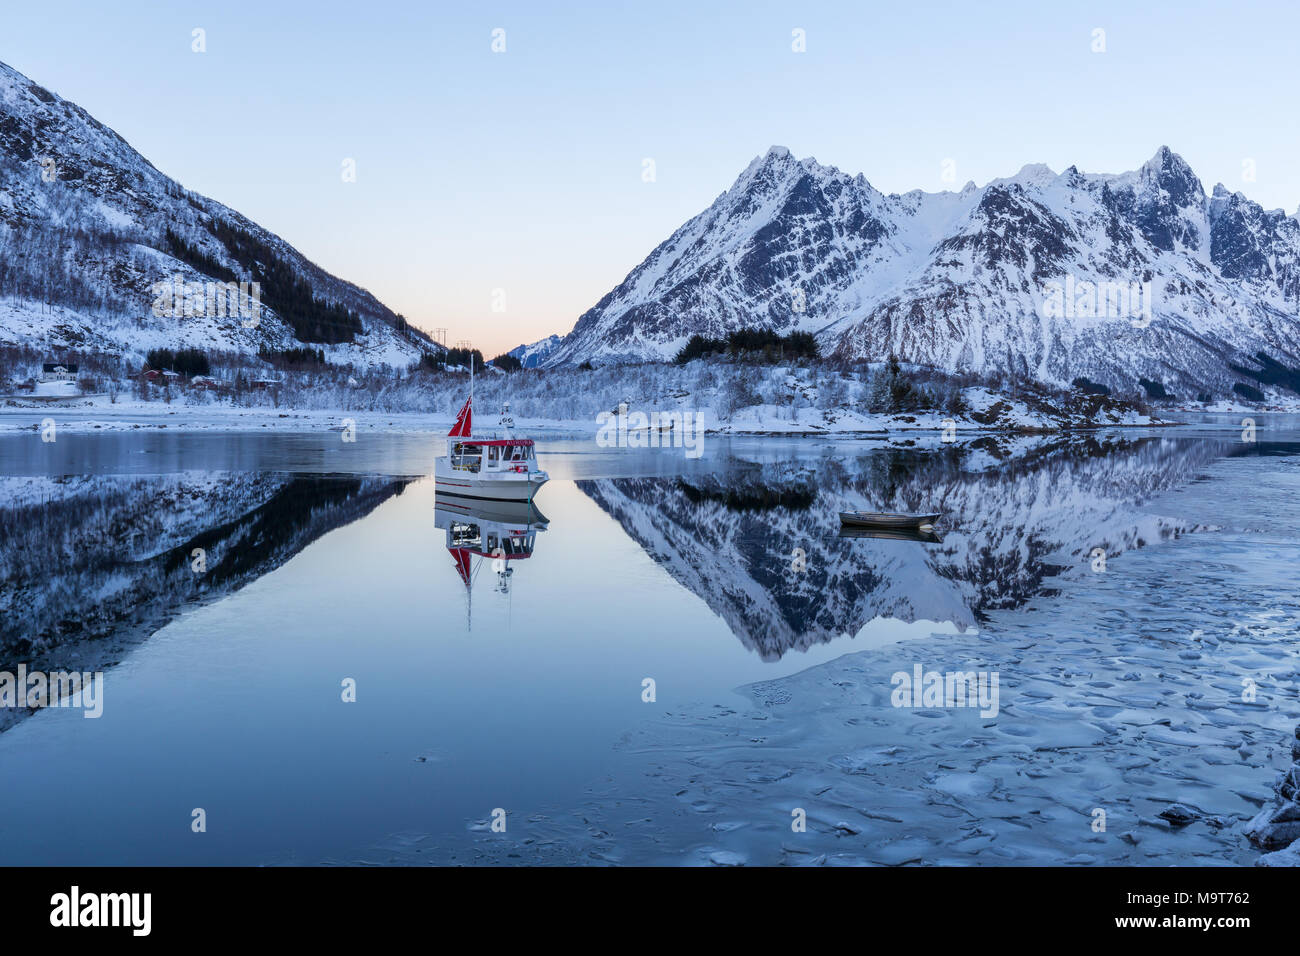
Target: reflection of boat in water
498, 531
892, 534
886, 520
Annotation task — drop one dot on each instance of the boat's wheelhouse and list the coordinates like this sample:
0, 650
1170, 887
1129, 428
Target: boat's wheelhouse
501, 456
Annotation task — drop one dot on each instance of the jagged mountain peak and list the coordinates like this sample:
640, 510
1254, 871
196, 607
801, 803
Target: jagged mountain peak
764, 167
1172, 173
779, 169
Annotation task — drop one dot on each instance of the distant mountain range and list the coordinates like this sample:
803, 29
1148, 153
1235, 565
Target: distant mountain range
1054, 276
536, 354
1114, 278
89, 228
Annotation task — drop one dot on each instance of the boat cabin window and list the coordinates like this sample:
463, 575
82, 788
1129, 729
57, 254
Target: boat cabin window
465, 457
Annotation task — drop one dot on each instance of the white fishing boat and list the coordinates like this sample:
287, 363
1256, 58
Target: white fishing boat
502, 468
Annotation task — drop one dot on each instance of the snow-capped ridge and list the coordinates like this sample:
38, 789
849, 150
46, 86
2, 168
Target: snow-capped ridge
1031, 174
959, 280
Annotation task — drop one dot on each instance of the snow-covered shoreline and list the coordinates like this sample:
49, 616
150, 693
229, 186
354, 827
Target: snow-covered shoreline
986, 413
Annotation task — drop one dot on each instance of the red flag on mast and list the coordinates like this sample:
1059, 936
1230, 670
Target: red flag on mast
463, 422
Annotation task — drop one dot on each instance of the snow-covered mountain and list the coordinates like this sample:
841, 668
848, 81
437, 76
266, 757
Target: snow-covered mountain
88, 226
1043, 274
536, 354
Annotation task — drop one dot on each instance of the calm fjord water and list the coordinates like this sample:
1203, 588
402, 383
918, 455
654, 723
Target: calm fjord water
324, 562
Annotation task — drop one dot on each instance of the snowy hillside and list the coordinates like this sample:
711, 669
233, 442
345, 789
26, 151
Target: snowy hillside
1110, 277
89, 228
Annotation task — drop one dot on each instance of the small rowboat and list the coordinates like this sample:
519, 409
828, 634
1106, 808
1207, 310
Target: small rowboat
885, 519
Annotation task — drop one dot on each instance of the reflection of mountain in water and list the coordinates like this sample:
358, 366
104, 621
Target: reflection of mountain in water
87, 558
1010, 522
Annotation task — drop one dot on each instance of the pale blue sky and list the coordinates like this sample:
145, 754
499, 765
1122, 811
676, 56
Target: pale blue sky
522, 171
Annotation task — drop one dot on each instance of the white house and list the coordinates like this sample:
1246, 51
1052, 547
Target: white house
59, 372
